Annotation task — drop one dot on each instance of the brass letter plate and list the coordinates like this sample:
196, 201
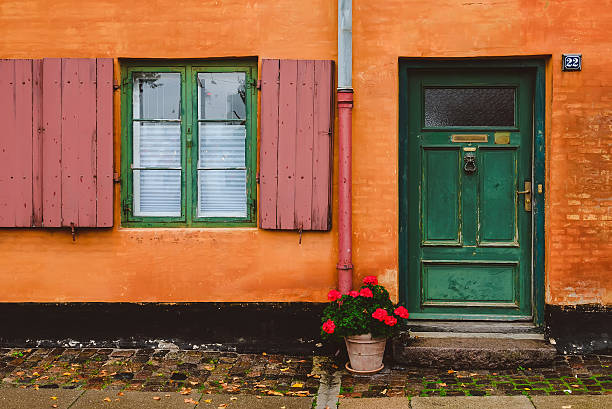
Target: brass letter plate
469, 138
502, 138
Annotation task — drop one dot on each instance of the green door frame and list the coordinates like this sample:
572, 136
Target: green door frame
538, 169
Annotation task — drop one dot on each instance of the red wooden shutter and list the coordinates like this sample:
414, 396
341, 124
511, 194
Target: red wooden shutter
296, 144
56, 116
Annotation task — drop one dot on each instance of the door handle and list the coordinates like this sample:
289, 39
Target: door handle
527, 193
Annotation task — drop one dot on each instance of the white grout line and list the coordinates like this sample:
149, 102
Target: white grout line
329, 389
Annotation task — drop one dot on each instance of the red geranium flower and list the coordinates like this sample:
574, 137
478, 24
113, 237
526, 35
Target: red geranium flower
333, 295
380, 314
366, 292
329, 326
401, 312
390, 321
370, 280
353, 294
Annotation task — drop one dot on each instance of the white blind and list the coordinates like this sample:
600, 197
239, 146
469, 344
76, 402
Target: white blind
157, 144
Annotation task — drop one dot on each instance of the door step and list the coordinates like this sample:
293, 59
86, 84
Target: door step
473, 345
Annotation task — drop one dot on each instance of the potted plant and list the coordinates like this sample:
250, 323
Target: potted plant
365, 319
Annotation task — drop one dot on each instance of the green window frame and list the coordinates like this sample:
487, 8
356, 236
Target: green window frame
189, 141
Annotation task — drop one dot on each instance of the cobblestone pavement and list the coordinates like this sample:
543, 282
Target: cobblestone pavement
271, 374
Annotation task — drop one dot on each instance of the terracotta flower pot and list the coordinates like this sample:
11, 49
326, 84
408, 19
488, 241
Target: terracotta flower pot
365, 353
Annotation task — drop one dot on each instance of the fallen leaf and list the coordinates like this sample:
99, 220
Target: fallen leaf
384, 392
260, 385
258, 397
275, 393
107, 399
264, 354
233, 398
283, 407
54, 406
189, 400
207, 400
442, 384
19, 373
297, 385
120, 394
450, 371
221, 406
209, 367
167, 395
284, 369
576, 386
527, 389
54, 397
156, 398
66, 374
34, 373
566, 407
185, 391
193, 383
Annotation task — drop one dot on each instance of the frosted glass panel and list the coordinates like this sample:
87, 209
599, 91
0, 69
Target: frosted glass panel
222, 193
157, 95
157, 192
222, 145
222, 95
157, 144
469, 107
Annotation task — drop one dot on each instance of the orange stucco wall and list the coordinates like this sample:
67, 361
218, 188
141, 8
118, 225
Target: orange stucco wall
247, 264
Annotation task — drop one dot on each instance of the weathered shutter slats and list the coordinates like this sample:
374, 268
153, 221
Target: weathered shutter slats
16, 143
78, 142
104, 142
60, 140
295, 146
322, 148
52, 142
268, 154
285, 208
37, 143
304, 144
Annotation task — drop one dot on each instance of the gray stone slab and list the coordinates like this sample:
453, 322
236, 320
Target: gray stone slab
93, 399
19, 398
372, 403
472, 402
492, 353
252, 402
573, 402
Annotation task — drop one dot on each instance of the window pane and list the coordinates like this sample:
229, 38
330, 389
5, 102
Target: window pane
157, 144
222, 145
157, 192
469, 107
157, 95
222, 193
222, 95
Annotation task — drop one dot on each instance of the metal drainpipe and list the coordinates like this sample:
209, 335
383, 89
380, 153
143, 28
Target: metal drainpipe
345, 117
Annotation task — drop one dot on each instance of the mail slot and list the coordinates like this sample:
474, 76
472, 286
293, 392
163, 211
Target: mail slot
470, 138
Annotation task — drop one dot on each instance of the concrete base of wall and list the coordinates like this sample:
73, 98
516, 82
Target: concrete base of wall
241, 327
581, 329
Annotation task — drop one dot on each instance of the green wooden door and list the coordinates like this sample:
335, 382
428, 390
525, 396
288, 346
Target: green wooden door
469, 152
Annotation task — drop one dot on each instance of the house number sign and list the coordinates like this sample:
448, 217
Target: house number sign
572, 62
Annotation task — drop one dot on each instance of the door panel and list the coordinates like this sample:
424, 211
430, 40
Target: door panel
469, 236
440, 193
497, 207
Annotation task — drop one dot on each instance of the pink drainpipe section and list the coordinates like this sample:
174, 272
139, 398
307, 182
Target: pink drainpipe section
345, 180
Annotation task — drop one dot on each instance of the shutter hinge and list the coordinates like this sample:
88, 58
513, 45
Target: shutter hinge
116, 177
259, 84
257, 178
116, 86
126, 207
